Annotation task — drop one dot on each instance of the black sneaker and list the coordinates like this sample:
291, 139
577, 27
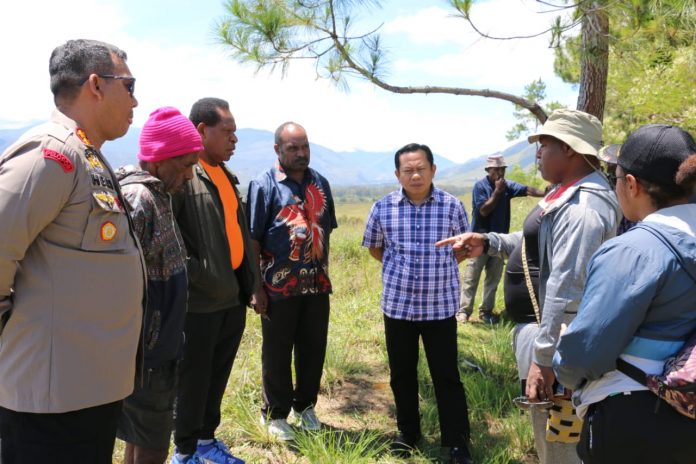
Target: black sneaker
460, 455
402, 447
489, 318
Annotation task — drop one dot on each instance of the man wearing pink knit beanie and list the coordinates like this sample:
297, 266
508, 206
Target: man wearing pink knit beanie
169, 148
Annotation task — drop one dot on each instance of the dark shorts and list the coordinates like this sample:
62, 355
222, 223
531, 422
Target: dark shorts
147, 419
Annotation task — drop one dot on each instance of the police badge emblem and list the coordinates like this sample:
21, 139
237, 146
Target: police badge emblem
93, 160
108, 231
108, 201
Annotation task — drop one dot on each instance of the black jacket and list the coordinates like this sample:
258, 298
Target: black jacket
213, 284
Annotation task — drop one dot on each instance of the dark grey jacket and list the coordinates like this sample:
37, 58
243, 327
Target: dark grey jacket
571, 230
213, 284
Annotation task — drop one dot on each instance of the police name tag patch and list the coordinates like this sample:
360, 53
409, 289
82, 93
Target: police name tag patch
59, 158
108, 231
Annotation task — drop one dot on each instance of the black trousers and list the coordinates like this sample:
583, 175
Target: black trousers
85, 436
626, 429
212, 340
298, 324
440, 343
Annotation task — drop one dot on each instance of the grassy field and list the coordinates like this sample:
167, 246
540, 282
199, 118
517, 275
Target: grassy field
356, 403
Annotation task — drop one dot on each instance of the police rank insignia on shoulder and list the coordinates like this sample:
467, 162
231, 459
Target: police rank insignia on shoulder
82, 135
59, 158
93, 160
108, 231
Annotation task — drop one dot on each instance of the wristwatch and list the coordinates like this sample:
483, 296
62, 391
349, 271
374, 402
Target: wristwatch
486, 244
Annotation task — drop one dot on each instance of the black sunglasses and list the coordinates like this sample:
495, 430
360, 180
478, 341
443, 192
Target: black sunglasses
127, 80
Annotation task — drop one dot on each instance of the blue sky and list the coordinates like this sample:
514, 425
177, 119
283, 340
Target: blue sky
173, 53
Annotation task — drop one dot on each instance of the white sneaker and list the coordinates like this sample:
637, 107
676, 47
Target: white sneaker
307, 419
279, 429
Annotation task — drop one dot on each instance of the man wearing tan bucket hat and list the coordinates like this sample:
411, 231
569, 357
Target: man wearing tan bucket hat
490, 212
547, 260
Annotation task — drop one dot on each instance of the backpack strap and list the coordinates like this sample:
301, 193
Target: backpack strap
631, 371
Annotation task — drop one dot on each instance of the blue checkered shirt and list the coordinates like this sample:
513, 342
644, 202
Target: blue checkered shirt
420, 282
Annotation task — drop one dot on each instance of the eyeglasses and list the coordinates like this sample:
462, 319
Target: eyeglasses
615, 178
128, 81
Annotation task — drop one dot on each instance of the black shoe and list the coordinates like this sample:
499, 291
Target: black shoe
460, 455
489, 318
403, 447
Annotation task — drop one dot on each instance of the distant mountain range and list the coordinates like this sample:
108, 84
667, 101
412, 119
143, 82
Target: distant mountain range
254, 154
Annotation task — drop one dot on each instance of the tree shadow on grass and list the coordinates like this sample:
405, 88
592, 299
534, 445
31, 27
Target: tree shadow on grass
359, 395
371, 397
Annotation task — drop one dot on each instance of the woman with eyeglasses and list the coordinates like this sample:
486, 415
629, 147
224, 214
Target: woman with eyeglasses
639, 304
609, 155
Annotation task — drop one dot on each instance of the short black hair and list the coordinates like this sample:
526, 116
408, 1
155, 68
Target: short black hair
71, 63
661, 194
206, 111
281, 128
410, 148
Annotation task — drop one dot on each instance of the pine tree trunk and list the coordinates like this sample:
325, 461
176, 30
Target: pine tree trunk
595, 59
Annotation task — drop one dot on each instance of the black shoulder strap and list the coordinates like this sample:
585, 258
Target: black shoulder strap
632, 371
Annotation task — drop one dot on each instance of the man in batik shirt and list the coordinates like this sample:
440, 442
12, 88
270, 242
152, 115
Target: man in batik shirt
291, 216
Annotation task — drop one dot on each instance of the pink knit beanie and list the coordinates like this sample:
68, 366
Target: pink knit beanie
166, 134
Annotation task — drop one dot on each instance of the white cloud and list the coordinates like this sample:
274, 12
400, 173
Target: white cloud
496, 18
508, 64
432, 26
29, 31
174, 70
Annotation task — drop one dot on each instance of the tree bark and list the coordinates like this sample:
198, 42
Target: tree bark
595, 59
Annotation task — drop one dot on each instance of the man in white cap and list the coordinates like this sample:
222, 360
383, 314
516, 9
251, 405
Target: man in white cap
547, 261
490, 213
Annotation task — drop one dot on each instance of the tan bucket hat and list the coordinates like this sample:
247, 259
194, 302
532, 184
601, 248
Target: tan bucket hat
580, 130
495, 161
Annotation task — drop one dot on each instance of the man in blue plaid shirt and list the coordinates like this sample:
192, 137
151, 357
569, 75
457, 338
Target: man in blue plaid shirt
420, 297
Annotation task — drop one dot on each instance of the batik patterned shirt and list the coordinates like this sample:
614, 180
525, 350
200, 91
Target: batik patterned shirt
292, 222
420, 282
